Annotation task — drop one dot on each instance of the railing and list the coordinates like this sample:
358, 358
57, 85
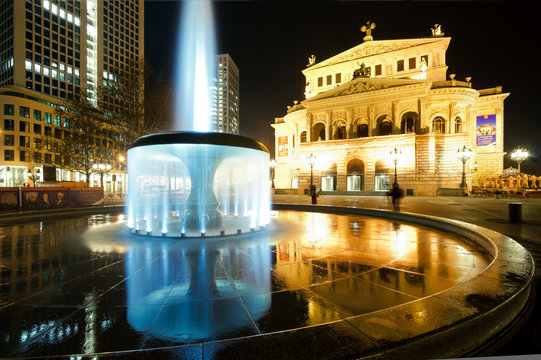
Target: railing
450, 83
491, 91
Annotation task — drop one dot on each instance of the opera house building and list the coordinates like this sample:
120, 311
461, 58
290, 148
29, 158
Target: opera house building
382, 95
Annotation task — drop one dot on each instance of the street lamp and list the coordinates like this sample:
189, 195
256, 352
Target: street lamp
33, 176
519, 155
101, 169
463, 154
395, 155
273, 164
312, 161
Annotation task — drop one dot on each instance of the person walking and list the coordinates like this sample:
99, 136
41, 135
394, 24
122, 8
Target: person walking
313, 194
396, 194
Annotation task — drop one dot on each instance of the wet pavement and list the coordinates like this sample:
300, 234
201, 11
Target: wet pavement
83, 286
487, 212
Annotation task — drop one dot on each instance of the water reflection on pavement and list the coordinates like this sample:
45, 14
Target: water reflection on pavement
83, 285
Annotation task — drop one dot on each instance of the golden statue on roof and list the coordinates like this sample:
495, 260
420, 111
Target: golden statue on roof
368, 30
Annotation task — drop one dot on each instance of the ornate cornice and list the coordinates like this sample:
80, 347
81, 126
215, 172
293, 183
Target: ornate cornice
372, 48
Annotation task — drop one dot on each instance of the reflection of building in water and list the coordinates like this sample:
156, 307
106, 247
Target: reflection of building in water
37, 260
353, 252
379, 95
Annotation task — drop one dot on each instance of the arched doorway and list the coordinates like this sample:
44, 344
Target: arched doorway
408, 123
382, 174
385, 125
340, 132
355, 175
328, 178
362, 130
318, 132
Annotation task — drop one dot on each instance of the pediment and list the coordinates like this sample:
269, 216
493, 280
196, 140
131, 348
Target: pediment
364, 85
371, 48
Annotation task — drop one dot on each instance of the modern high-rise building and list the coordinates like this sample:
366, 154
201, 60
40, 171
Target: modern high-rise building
225, 96
51, 50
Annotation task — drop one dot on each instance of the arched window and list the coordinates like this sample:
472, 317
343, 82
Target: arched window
458, 125
293, 140
438, 125
362, 130
385, 125
303, 137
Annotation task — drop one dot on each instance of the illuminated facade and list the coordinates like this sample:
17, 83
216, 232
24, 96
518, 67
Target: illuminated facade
381, 95
225, 96
51, 50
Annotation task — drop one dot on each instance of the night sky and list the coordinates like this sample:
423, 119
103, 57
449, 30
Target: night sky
493, 42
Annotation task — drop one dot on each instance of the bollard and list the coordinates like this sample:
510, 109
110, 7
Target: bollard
515, 212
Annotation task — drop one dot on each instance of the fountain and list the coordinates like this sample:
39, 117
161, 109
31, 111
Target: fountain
195, 183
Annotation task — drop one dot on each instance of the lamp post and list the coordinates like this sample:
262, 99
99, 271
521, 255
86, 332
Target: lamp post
395, 156
101, 169
312, 161
519, 155
463, 154
273, 164
33, 176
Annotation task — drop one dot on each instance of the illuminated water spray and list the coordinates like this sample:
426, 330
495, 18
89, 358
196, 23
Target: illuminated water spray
193, 182
195, 54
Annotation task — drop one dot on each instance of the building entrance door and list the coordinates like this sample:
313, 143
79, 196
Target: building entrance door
383, 182
327, 183
354, 182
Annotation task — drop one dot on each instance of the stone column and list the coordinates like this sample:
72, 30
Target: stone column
349, 119
309, 120
328, 122
371, 120
452, 115
396, 120
423, 116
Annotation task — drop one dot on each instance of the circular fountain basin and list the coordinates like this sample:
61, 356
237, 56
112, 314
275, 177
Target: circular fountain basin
191, 184
318, 282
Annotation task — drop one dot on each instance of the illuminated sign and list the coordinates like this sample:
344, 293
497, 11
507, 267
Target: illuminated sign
282, 146
486, 130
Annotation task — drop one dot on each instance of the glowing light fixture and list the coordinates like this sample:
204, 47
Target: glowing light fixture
463, 154
395, 156
519, 155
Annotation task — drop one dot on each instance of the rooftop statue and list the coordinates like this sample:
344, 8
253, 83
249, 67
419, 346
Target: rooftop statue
311, 60
368, 30
436, 30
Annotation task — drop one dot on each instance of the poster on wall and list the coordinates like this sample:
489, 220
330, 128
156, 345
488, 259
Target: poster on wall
486, 130
282, 146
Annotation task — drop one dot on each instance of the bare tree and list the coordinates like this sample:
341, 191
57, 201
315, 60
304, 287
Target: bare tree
86, 137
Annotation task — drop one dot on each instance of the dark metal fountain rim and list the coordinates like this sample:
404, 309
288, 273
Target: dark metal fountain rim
192, 137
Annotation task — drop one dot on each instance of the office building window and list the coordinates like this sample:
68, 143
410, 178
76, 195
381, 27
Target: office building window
9, 109
24, 111
9, 155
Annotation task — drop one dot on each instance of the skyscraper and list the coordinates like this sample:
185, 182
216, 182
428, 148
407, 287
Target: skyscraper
225, 96
50, 51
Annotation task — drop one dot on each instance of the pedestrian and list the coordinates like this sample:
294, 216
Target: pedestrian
396, 194
313, 194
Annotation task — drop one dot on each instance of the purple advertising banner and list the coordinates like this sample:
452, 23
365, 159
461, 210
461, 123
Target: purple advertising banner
486, 130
